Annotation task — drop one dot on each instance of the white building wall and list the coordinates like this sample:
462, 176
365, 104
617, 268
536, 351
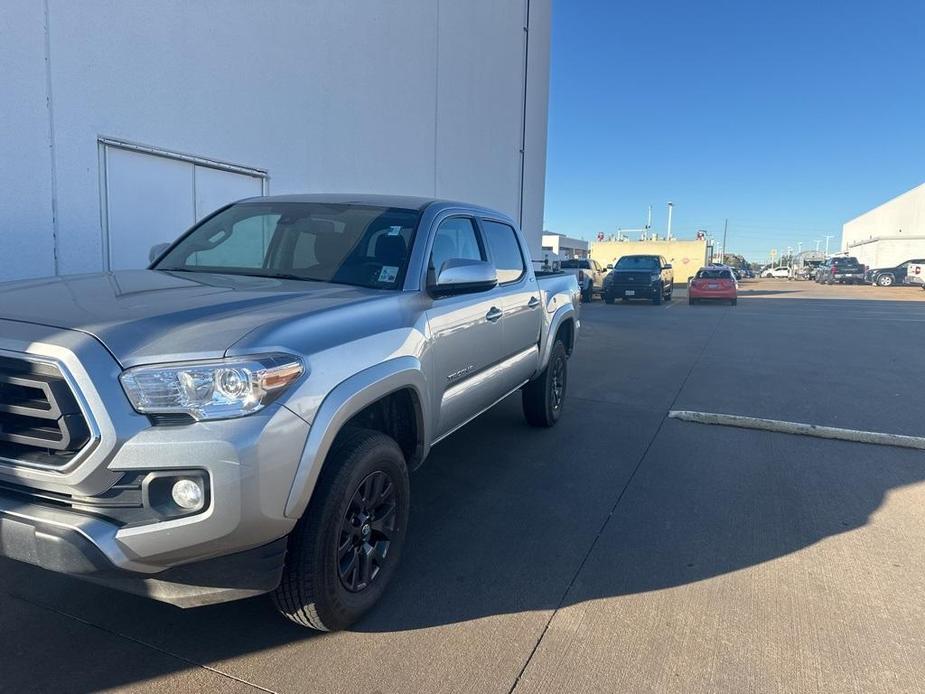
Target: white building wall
565, 246
890, 233
419, 97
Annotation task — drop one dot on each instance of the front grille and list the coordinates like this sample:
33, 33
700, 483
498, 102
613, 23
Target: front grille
40, 420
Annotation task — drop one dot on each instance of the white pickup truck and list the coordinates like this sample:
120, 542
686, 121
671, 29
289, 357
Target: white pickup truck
916, 274
588, 272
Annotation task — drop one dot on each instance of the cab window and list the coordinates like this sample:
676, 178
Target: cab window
505, 251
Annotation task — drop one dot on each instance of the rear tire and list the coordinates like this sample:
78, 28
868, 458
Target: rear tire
543, 397
608, 299
690, 302
361, 504
733, 302
588, 294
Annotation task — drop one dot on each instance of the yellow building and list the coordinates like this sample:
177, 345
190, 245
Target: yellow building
686, 257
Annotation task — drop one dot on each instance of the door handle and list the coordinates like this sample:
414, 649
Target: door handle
533, 303
494, 314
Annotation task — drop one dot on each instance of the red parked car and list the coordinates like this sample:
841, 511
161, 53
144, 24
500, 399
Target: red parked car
713, 283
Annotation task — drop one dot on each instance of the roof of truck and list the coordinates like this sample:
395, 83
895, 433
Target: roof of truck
408, 202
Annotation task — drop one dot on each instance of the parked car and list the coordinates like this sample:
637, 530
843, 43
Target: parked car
588, 273
892, 276
840, 270
713, 284
241, 417
639, 277
781, 272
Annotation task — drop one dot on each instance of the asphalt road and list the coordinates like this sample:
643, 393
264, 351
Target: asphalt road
620, 551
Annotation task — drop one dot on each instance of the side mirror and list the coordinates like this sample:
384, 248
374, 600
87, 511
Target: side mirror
464, 276
667, 267
610, 267
157, 251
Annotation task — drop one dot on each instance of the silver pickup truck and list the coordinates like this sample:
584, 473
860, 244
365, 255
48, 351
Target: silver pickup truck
241, 417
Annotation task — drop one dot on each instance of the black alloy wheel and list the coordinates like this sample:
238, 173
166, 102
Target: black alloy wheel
366, 532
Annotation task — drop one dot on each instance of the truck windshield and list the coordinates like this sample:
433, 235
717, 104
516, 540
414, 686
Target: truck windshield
639, 262
359, 245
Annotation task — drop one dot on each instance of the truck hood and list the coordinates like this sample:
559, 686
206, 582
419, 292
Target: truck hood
146, 316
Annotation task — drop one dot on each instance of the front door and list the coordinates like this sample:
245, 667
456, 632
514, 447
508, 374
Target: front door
466, 333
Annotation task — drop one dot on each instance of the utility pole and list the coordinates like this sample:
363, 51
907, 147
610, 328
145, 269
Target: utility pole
649, 220
827, 245
799, 247
670, 208
725, 228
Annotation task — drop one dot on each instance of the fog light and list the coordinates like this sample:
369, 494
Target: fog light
187, 494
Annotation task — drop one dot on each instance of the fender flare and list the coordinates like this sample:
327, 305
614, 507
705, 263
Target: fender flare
343, 402
565, 312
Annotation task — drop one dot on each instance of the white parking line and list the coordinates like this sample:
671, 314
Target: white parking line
800, 429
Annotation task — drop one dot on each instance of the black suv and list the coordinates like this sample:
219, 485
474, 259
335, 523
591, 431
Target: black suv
890, 276
639, 277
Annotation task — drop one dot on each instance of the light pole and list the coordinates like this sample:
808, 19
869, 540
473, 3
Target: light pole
817, 242
827, 245
670, 208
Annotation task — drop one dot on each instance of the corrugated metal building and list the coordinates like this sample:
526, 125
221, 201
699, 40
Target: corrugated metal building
889, 234
121, 123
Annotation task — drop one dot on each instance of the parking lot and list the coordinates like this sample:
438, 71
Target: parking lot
620, 551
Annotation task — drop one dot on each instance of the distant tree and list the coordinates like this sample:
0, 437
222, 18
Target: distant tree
734, 260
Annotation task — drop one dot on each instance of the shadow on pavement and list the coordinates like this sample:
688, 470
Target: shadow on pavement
504, 517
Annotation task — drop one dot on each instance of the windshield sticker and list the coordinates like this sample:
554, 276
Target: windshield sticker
394, 231
388, 273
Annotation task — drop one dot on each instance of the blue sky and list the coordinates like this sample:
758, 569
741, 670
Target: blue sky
789, 118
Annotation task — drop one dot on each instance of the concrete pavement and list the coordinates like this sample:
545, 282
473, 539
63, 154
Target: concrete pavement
619, 551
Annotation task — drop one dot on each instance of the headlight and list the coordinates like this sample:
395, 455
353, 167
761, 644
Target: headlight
655, 278
218, 389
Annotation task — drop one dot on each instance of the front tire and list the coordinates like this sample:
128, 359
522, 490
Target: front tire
543, 397
659, 295
885, 280
346, 547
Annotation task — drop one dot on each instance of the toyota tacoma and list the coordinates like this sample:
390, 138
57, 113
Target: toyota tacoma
241, 417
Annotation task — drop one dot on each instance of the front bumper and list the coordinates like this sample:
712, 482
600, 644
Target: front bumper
249, 463
34, 535
631, 290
